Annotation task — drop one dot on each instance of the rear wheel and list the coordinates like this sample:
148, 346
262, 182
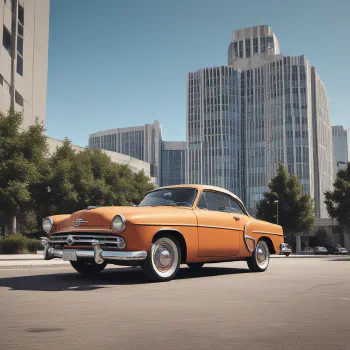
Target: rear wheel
259, 261
163, 261
88, 268
195, 266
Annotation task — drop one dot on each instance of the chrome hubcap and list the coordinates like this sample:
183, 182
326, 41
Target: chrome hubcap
163, 256
262, 255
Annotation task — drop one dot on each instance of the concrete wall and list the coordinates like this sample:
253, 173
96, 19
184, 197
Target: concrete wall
28, 91
136, 165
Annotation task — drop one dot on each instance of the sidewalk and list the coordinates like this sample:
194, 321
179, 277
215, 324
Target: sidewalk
8, 260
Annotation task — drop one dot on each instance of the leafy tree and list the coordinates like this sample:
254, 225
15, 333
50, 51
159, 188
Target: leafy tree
78, 180
22, 155
295, 208
32, 182
338, 200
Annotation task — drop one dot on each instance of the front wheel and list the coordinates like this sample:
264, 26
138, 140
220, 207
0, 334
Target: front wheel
163, 261
88, 268
259, 261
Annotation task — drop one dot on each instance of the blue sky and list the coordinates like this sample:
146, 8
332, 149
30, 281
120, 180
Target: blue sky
119, 63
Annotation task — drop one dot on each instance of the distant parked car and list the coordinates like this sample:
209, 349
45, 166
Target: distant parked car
337, 249
320, 250
308, 250
286, 249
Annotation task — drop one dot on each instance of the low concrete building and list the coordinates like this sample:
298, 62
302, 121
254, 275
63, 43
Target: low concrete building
136, 165
142, 142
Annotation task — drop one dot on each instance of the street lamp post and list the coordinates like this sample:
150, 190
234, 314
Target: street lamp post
276, 202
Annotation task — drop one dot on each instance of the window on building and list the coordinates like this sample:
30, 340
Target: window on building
21, 14
235, 49
6, 40
262, 44
255, 46
247, 48
18, 98
241, 49
19, 65
269, 42
20, 45
20, 29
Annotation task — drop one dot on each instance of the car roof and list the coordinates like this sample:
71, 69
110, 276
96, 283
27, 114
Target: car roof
201, 188
206, 187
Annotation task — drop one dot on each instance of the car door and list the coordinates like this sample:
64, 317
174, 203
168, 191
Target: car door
219, 228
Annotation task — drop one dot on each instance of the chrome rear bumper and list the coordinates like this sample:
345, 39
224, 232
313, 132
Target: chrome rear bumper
97, 253
284, 250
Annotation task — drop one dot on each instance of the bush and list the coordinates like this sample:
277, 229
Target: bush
33, 245
17, 243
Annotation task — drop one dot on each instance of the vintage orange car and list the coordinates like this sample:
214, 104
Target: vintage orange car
192, 224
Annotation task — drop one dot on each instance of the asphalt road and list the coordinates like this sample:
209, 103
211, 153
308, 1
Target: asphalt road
295, 304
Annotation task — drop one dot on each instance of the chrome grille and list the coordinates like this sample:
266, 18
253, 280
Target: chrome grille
111, 241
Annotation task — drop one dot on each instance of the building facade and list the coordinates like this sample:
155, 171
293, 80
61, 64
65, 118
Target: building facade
340, 138
140, 142
24, 29
214, 133
173, 163
279, 114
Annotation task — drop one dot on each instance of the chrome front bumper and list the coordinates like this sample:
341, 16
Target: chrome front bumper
97, 254
284, 250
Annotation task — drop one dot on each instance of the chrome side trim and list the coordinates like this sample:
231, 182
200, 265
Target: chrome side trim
267, 233
245, 237
194, 225
147, 224
221, 227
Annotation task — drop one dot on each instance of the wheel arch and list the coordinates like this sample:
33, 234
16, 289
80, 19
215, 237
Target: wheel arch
269, 243
178, 236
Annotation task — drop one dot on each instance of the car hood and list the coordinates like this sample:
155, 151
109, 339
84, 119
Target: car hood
103, 216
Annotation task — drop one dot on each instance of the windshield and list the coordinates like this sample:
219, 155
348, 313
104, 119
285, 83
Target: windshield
182, 197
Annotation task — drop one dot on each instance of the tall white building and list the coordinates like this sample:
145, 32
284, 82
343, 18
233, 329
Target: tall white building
140, 142
263, 109
340, 148
24, 29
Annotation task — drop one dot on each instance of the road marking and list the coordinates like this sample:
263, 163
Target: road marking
345, 298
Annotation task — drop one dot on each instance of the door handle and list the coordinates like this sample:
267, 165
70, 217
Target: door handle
237, 218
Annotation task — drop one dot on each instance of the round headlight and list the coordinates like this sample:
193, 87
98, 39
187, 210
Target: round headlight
47, 224
118, 223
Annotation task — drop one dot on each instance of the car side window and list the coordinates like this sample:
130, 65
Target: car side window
202, 204
217, 201
235, 207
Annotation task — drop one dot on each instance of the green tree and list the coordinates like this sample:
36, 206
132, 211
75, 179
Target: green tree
338, 200
78, 180
22, 158
295, 208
